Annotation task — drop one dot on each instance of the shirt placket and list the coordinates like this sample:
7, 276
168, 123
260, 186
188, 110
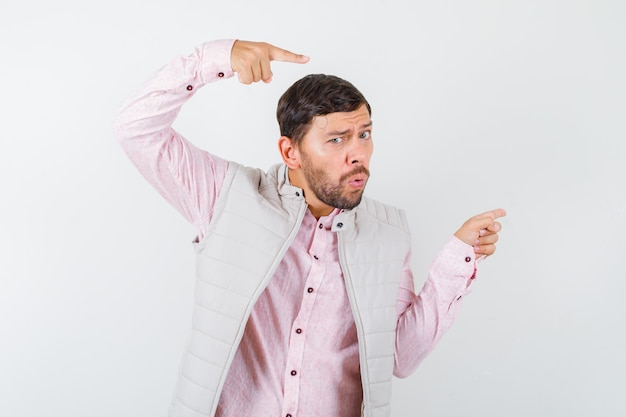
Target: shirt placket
298, 337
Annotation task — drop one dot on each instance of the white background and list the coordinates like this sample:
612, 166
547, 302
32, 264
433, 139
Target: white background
476, 105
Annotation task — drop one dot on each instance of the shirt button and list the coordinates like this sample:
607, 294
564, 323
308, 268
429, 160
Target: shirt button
293, 372
321, 226
298, 331
220, 74
315, 257
288, 415
189, 87
309, 290
297, 194
340, 225
467, 259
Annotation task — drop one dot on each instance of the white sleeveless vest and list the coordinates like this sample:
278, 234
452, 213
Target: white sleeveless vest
256, 218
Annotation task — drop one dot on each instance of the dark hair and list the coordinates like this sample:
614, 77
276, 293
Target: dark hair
315, 95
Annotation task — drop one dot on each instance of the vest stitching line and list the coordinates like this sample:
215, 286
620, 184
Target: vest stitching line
216, 311
208, 335
199, 385
204, 360
188, 406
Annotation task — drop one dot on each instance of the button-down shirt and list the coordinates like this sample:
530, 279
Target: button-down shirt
299, 354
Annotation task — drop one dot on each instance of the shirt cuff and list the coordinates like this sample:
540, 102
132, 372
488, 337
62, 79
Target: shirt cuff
457, 262
215, 60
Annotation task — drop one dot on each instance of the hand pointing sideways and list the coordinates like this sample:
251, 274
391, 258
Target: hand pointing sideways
481, 231
251, 60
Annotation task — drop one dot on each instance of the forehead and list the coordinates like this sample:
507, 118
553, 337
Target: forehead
341, 121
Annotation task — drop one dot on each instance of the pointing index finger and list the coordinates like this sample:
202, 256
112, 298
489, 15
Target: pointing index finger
493, 214
278, 54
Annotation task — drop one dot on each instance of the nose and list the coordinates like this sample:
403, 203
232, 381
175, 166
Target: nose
358, 152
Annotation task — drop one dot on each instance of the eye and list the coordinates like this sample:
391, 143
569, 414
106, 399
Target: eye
365, 135
336, 140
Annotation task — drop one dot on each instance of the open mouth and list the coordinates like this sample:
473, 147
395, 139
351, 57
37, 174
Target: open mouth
358, 181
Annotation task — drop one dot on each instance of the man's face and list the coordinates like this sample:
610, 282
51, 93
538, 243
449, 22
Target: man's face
334, 157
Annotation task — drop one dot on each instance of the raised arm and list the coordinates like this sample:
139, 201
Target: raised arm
189, 178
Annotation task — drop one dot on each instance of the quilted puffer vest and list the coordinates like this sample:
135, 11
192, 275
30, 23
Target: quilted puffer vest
255, 220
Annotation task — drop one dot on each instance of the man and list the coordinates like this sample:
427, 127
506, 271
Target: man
305, 304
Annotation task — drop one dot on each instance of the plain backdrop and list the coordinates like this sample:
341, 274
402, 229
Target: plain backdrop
476, 105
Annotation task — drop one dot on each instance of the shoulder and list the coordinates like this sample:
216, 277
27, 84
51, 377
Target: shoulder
251, 176
376, 211
270, 186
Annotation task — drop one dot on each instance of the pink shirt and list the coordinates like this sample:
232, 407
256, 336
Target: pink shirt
299, 353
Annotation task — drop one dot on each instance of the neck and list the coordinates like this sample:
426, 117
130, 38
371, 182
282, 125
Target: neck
317, 207
318, 212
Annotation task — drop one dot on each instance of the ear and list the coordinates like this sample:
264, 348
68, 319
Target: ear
289, 152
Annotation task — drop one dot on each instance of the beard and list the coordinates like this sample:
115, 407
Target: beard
332, 194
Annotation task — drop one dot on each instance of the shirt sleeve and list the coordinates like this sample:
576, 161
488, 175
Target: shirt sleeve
189, 178
423, 318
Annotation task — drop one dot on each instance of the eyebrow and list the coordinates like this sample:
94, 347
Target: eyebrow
343, 132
